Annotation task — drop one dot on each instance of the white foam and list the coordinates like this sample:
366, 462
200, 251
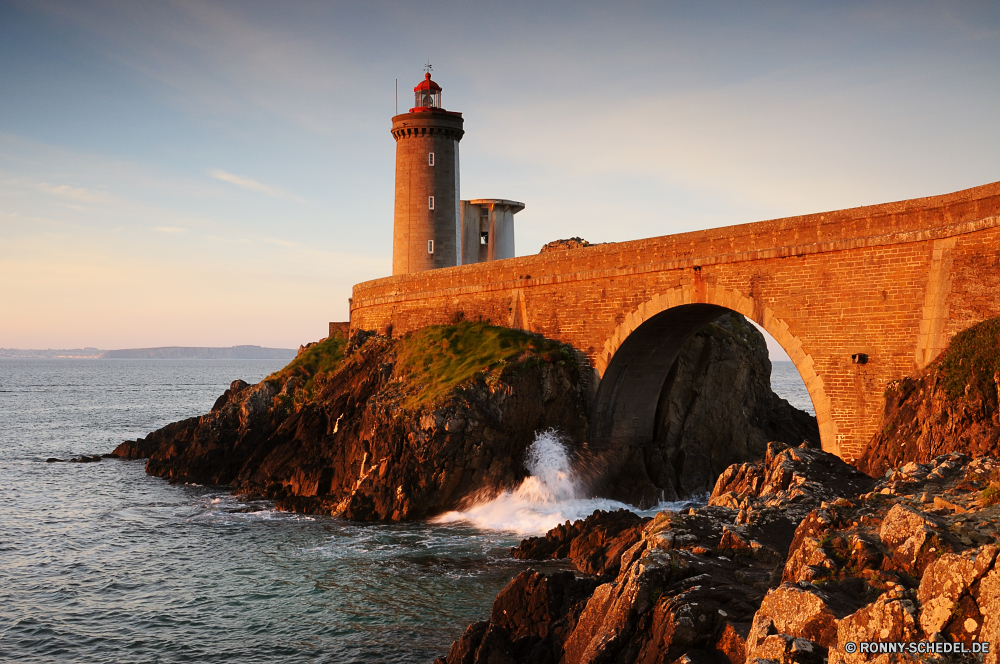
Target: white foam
549, 496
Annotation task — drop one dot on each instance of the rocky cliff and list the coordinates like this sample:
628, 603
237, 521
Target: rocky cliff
951, 406
794, 558
375, 428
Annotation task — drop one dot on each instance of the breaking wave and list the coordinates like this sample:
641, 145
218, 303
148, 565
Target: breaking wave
550, 495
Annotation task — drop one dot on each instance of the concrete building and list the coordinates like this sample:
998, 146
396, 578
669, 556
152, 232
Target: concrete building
432, 228
488, 229
426, 226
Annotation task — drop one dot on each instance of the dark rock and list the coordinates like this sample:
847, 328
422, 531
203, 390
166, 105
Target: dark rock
463, 651
84, 458
595, 544
54, 460
351, 450
536, 604
716, 408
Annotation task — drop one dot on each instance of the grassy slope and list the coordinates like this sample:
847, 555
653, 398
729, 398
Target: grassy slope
435, 360
431, 362
972, 359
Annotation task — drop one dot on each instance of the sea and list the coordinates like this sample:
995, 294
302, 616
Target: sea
100, 562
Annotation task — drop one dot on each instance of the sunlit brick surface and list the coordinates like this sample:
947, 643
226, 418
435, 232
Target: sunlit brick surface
893, 281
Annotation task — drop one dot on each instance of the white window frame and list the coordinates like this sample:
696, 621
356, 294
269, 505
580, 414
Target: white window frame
430, 158
430, 202
430, 246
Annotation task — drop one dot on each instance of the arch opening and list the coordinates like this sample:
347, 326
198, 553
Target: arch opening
685, 394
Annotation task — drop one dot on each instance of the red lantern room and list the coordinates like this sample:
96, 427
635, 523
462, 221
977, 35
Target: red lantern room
427, 95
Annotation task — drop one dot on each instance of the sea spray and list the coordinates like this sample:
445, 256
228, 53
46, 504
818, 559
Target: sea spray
550, 495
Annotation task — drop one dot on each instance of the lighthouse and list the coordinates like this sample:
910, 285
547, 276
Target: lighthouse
427, 228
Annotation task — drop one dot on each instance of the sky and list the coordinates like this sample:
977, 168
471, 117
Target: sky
221, 173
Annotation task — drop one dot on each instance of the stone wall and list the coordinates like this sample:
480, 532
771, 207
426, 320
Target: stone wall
892, 281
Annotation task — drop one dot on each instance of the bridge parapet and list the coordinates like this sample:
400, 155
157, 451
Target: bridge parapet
892, 281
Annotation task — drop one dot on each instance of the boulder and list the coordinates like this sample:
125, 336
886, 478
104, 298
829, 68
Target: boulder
891, 618
799, 611
595, 544
914, 537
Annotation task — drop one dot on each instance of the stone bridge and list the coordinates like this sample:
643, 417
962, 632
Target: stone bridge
889, 283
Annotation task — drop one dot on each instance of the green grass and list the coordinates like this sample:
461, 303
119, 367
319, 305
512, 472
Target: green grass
972, 358
435, 360
319, 359
990, 496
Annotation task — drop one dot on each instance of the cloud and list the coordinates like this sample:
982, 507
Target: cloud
74, 193
251, 185
173, 230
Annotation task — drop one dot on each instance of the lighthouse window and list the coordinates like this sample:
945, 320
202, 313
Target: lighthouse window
485, 212
484, 238
430, 202
430, 246
430, 158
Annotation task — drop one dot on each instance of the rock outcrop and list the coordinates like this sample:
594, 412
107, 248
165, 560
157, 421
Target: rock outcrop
716, 408
375, 428
594, 545
559, 245
379, 429
951, 406
795, 556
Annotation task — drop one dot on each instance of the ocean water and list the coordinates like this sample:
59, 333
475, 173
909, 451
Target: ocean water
101, 563
787, 383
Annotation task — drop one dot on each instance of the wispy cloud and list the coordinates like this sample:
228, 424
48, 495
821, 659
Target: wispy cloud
244, 182
173, 230
79, 194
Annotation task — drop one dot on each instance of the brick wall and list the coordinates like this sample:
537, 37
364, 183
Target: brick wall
893, 281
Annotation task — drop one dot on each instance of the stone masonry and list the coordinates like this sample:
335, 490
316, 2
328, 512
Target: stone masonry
893, 282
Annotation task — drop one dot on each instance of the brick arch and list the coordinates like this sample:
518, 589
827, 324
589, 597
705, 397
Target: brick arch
713, 301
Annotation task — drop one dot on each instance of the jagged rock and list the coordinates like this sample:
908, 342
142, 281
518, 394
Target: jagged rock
950, 593
915, 538
799, 611
807, 559
731, 646
349, 448
595, 544
717, 599
541, 605
989, 607
613, 614
464, 650
892, 617
785, 649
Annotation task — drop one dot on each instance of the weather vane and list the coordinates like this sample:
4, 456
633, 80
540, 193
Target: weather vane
428, 67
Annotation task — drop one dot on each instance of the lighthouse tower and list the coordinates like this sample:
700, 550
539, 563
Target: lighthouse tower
427, 229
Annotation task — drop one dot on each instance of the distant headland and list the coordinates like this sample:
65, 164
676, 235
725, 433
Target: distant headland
162, 353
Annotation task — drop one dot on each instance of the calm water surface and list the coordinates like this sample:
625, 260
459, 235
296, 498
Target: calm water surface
101, 563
